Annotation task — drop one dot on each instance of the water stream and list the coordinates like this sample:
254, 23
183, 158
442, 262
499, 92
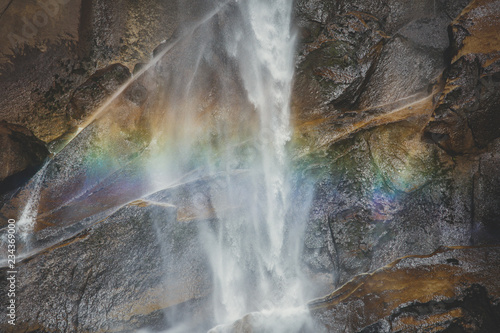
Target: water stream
27, 219
251, 272
253, 250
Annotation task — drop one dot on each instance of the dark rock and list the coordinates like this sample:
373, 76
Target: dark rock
20, 155
372, 187
314, 11
336, 63
99, 169
353, 74
404, 69
428, 32
138, 67
365, 87
486, 227
394, 14
93, 93
466, 119
114, 276
137, 93
79, 39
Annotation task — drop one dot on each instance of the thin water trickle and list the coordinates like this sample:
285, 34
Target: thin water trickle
26, 221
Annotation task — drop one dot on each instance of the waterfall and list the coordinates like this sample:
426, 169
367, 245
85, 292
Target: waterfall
254, 272
239, 67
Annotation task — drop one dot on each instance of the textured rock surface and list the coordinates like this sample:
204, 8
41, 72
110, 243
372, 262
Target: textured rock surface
355, 69
21, 152
467, 117
93, 92
115, 276
380, 169
452, 290
77, 38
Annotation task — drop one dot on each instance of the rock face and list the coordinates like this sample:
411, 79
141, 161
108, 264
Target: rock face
116, 276
452, 290
92, 93
20, 155
467, 118
70, 41
400, 146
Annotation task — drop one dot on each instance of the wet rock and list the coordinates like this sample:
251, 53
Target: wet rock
122, 273
138, 67
486, 198
78, 38
372, 187
96, 171
334, 66
93, 93
466, 119
20, 155
394, 14
353, 74
137, 93
452, 289
430, 32
404, 69
372, 184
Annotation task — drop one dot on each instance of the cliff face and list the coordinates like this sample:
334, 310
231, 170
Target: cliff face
403, 120
395, 109
389, 111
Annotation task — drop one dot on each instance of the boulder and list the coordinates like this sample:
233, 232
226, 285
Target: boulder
20, 155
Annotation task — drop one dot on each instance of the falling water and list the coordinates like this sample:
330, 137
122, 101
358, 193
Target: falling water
28, 216
251, 244
252, 247
254, 273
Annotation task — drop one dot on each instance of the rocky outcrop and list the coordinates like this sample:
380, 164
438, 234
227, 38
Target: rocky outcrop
116, 276
396, 137
356, 70
70, 40
20, 155
451, 290
467, 117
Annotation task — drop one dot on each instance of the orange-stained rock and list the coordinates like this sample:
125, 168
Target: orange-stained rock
453, 287
466, 118
476, 31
